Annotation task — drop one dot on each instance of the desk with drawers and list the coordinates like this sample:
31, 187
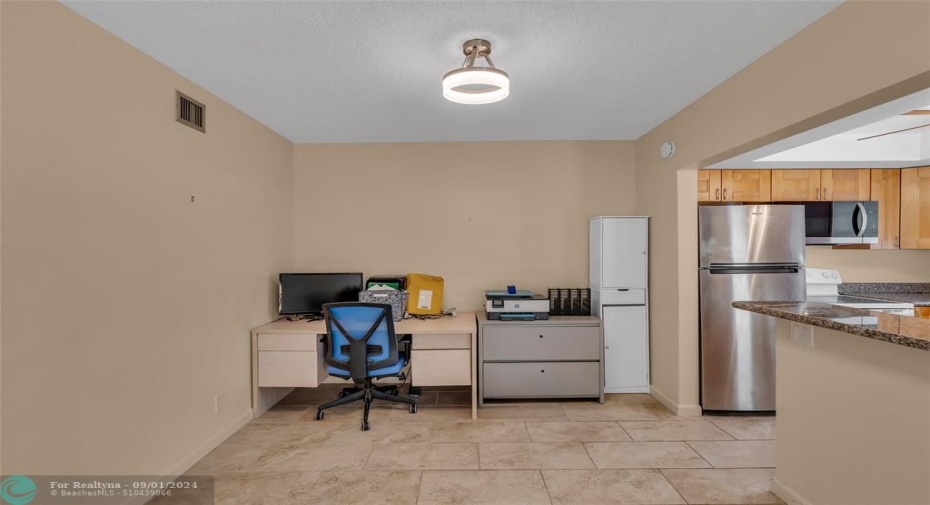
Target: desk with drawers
562, 357
289, 354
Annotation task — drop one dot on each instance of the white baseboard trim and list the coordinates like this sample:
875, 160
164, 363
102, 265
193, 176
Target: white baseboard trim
185, 464
679, 410
626, 390
787, 494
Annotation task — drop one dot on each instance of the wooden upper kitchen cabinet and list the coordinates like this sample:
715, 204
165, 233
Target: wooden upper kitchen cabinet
708, 182
915, 208
886, 190
795, 185
845, 185
734, 186
820, 185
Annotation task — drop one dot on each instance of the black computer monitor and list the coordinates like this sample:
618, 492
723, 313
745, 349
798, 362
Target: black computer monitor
301, 294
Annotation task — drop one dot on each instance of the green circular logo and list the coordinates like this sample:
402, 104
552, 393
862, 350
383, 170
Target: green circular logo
17, 490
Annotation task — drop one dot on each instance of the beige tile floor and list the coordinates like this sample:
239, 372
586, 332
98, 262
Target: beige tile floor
630, 450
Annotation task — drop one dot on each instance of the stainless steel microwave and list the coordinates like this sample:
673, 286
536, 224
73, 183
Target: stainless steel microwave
841, 222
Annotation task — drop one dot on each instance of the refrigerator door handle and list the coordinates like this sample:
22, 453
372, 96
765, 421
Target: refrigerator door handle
730, 271
623, 289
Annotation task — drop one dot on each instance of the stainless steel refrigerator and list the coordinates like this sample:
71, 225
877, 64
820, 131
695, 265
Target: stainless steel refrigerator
748, 253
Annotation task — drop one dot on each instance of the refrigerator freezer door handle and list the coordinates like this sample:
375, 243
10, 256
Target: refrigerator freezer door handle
782, 270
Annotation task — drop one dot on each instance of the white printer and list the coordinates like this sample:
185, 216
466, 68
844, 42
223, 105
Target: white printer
519, 305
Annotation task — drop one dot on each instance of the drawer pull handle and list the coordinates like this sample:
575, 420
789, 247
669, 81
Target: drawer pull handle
623, 289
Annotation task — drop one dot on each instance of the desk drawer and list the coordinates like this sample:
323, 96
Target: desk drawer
541, 342
445, 367
559, 379
447, 341
287, 341
290, 369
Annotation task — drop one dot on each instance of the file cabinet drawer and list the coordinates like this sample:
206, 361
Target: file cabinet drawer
541, 342
541, 379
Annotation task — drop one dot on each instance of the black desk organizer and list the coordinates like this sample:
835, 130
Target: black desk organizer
569, 301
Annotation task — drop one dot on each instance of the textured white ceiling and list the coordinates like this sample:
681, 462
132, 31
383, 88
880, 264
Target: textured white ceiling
348, 71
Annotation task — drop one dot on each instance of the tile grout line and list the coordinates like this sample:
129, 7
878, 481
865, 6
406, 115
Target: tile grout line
626, 432
673, 485
699, 453
420, 487
586, 451
721, 428
545, 485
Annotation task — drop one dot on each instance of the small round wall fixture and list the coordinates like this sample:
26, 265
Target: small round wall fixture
667, 150
475, 85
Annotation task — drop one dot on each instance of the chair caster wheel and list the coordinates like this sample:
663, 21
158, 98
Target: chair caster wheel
319, 415
366, 426
413, 409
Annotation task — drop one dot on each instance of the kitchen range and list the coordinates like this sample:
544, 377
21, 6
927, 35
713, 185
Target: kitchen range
823, 287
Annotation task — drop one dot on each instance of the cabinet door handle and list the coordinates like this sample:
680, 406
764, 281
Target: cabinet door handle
824, 194
817, 193
717, 194
896, 242
724, 194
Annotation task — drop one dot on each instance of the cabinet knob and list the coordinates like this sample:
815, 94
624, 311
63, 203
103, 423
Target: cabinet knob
542, 371
540, 336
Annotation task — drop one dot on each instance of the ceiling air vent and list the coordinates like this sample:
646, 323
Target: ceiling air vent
190, 112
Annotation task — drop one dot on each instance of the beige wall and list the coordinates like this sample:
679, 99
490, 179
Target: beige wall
857, 56
482, 215
873, 265
853, 420
126, 306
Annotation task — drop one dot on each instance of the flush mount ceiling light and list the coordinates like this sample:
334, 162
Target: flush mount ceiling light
476, 85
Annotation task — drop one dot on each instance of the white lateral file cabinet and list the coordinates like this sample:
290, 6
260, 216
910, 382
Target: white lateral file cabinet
619, 279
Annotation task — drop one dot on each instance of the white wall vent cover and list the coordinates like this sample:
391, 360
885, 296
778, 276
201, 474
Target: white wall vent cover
190, 112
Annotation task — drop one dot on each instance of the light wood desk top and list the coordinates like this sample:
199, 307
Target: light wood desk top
464, 322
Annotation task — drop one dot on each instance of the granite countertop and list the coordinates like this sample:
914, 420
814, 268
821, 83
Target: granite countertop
900, 330
912, 292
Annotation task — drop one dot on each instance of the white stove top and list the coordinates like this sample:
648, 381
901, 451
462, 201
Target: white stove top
823, 287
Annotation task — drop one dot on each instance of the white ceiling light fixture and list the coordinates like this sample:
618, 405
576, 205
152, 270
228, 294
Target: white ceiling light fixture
476, 85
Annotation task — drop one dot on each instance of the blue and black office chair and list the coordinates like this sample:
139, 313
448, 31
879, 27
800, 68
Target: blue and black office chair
361, 345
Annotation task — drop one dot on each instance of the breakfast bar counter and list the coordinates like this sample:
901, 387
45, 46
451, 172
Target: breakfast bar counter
852, 405
900, 330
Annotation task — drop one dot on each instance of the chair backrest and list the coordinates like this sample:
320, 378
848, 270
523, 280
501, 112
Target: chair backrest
360, 337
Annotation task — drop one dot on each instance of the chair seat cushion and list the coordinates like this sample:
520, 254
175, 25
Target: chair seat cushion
381, 372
